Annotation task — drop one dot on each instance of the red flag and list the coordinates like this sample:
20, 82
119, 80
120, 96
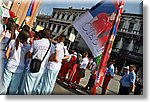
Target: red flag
107, 49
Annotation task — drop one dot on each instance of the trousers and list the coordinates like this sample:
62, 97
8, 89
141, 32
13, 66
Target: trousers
30, 82
10, 82
48, 81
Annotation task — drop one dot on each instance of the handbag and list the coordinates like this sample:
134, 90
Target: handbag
81, 73
35, 64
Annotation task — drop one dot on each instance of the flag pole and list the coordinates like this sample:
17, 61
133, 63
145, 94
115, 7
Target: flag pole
62, 31
105, 56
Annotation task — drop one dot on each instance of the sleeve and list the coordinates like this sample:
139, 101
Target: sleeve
111, 70
32, 48
52, 49
1, 29
132, 78
57, 47
66, 52
83, 62
11, 44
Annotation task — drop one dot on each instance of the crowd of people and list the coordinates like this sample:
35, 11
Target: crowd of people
32, 62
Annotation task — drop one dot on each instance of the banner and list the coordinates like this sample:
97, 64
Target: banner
98, 28
107, 50
95, 25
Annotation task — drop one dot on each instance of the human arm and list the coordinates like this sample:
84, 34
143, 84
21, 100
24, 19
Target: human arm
132, 82
7, 53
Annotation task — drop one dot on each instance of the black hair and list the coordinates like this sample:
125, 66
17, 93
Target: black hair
26, 28
46, 33
17, 26
11, 26
22, 37
38, 34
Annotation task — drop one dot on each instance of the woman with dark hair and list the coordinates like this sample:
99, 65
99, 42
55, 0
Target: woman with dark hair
8, 35
13, 71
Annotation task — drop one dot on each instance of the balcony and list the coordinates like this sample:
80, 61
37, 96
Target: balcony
133, 32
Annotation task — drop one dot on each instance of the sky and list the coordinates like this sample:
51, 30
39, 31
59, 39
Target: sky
131, 6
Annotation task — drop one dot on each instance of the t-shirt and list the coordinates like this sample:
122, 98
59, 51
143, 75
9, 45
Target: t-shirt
130, 78
39, 49
17, 57
17, 33
62, 51
110, 70
1, 29
84, 62
5, 40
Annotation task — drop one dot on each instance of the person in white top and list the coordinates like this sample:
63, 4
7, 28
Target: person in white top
37, 51
7, 36
13, 72
80, 71
54, 66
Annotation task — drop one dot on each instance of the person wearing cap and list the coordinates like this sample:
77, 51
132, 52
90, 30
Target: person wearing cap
128, 81
125, 73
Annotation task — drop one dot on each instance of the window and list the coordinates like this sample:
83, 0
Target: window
63, 15
74, 17
58, 29
53, 15
68, 17
131, 27
38, 22
136, 48
41, 23
121, 25
54, 27
141, 29
125, 46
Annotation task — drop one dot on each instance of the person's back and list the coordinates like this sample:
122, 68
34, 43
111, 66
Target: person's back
17, 57
39, 49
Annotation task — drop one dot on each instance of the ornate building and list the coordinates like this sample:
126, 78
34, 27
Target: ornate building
60, 19
128, 45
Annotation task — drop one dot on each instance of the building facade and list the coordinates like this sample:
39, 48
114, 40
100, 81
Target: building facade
60, 19
128, 45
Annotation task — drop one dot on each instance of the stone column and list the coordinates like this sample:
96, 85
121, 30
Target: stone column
119, 44
55, 30
52, 25
66, 32
56, 15
130, 46
71, 17
60, 16
47, 25
61, 28
65, 17
43, 24
141, 50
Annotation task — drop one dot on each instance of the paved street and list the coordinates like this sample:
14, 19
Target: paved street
112, 88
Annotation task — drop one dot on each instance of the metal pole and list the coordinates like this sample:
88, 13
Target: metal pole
69, 45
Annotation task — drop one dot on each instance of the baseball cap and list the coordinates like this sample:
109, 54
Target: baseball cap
127, 67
